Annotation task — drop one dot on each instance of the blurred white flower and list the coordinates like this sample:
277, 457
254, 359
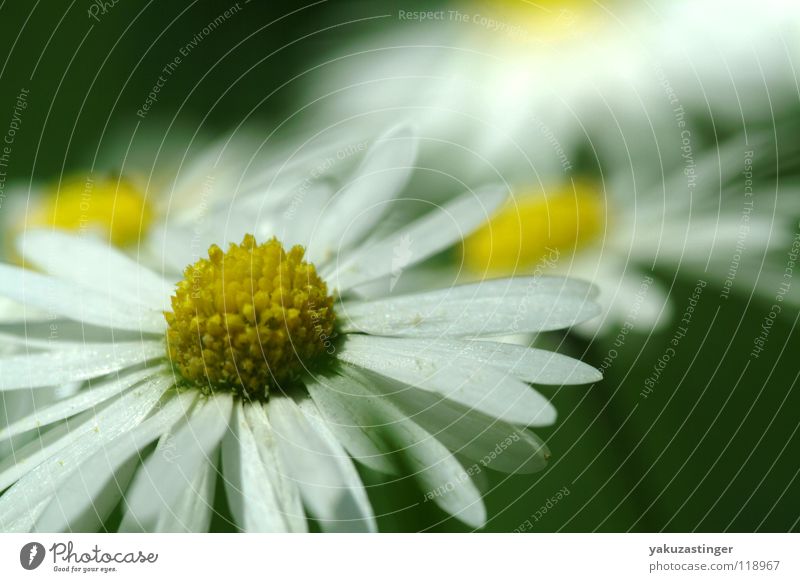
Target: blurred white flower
509, 87
625, 131
720, 216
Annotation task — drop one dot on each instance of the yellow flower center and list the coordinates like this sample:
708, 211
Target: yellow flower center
544, 20
114, 207
534, 226
249, 319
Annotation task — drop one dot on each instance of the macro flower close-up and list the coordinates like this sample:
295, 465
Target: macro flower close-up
389, 268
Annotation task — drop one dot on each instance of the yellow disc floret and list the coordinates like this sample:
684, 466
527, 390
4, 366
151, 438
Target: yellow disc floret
116, 208
534, 226
249, 319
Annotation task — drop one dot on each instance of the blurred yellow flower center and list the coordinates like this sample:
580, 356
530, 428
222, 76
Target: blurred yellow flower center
544, 20
533, 227
249, 319
113, 207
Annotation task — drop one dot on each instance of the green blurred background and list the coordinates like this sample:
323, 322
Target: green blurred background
713, 448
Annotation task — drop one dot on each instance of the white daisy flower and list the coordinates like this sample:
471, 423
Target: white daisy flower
717, 216
709, 217
511, 86
266, 374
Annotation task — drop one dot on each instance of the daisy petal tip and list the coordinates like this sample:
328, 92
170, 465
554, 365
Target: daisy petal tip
592, 308
546, 417
475, 516
596, 378
583, 374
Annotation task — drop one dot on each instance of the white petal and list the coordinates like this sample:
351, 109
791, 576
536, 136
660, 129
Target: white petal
12, 312
18, 404
299, 219
193, 509
440, 474
433, 467
59, 297
87, 497
355, 210
352, 480
174, 246
287, 166
497, 307
78, 403
63, 434
528, 364
59, 333
314, 466
23, 522
175, 464
260, 496
357, 420
462, 379
704, 239
288, 492
627, 294
86, 261
45, 467
434, 232
71, 364
484, 440
213, 172
479, 478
